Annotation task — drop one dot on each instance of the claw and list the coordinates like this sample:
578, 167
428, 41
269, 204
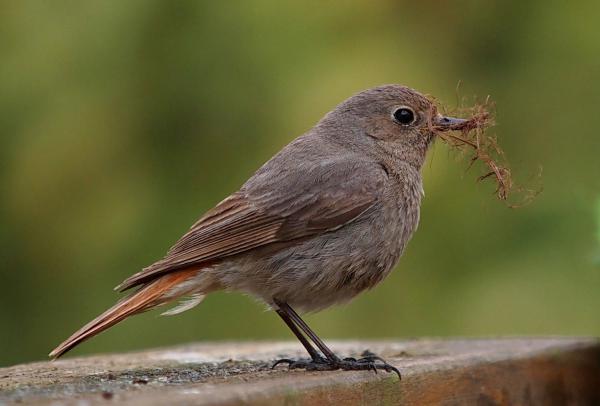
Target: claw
282, 361
372, 358
390, 368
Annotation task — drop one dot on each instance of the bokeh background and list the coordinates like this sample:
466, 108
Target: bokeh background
121, 122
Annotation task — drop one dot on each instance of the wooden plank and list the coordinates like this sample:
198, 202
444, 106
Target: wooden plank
542, 371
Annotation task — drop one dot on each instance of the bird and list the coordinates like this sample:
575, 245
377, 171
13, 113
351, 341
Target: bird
326, 218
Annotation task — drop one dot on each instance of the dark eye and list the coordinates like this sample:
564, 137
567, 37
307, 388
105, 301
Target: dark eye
404, 115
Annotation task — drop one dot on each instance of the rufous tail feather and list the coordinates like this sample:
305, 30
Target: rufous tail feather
150, 295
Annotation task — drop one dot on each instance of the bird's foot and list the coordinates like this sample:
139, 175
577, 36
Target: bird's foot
316, 364
369, 362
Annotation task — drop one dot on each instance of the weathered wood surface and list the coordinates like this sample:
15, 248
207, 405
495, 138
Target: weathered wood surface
542, 371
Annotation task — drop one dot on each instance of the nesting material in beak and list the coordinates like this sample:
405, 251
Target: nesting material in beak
480, 146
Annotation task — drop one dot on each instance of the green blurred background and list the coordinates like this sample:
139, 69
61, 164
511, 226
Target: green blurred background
122, 122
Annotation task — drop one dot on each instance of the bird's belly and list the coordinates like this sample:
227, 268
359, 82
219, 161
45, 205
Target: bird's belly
319, 272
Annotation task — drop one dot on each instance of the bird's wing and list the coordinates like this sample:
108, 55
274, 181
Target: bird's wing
255, 217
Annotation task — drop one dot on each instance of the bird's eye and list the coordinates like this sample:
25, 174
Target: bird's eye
404, 115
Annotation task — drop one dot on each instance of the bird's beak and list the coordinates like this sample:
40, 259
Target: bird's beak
442, 123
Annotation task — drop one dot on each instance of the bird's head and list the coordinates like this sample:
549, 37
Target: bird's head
392, 119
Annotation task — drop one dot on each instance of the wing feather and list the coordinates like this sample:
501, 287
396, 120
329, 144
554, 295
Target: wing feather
252, 218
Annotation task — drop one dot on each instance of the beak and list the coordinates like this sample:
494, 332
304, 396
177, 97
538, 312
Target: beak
442, 123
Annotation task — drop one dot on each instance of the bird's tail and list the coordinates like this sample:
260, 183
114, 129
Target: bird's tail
147, 297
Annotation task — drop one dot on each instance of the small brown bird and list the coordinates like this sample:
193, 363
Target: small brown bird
325, 219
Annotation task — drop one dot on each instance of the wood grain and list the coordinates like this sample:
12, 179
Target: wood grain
537, 371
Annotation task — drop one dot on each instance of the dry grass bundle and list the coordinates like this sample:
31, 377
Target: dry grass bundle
475, 142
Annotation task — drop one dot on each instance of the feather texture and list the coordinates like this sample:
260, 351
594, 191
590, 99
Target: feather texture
254, 217
185, 304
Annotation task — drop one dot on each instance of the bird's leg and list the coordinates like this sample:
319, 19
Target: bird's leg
314, 354
330, 355
331, 362
317, 362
